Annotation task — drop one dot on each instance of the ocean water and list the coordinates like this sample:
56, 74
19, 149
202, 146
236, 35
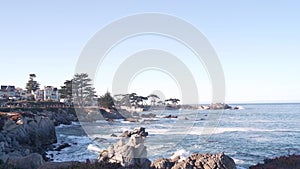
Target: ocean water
247, 135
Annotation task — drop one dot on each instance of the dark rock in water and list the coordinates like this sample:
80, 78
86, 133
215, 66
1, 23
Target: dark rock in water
204, 161
113, 135
289, 162
32, 161
110, 120
170, 116
150, 115
99, 140
62, 146
138, 130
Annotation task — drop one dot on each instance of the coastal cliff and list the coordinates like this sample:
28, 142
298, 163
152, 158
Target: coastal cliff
25, 136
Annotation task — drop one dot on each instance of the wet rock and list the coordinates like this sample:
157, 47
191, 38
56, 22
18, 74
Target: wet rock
113, 135
170, 116
62, 146
150, 115
138, 130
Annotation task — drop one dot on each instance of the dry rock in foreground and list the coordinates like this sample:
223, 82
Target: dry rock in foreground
32, 161
196, 161
290, 162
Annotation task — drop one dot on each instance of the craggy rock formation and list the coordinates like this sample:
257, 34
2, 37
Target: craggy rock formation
197, 161
25, 133
58, 117
98, 114
132, 154
25, 136
290, 162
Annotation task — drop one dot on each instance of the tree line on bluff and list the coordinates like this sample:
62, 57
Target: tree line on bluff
79, 91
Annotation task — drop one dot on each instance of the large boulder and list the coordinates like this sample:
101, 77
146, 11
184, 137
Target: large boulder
32, 161
131, 154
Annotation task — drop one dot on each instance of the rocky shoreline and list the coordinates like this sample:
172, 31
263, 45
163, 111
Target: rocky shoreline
131, 153
26, 136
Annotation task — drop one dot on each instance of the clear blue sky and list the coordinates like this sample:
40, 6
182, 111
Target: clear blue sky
258, 42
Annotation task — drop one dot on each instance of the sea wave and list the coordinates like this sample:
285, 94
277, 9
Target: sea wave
94, 148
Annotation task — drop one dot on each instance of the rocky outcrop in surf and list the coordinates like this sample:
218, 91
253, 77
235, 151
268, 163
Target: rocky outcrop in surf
131, 154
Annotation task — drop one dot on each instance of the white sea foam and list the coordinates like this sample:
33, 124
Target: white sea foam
73, 123
237, 161
94, 148
158, 131
182, 153
239, 167
79, 139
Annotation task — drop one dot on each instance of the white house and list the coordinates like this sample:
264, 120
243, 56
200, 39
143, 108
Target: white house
21, 93
51, 93
7, 91
39, 95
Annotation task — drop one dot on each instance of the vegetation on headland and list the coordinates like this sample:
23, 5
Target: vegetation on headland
80, 92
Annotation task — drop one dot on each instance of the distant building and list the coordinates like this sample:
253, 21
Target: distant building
7, 92
21, 94
39, 95
51, 93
